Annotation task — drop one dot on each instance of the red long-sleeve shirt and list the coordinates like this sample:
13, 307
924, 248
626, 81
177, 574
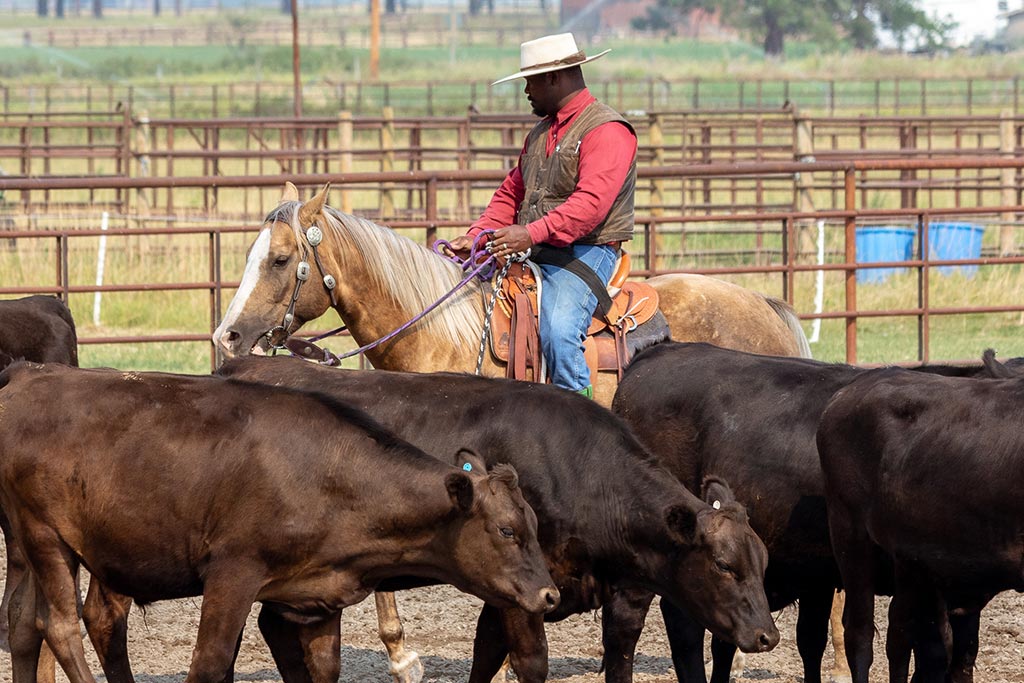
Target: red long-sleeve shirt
606, 155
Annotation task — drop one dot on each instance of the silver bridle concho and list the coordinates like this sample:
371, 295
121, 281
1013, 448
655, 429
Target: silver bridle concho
277, 336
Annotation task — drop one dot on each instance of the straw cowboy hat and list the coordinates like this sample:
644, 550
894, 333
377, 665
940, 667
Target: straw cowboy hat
549, 53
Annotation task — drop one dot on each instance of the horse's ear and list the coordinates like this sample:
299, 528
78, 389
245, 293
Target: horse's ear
314, 207
291, 193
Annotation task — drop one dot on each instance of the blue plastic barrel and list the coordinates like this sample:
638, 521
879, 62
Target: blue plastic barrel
882, 243
948, 241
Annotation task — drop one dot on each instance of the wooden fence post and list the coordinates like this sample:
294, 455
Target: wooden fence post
803, 150
657, 141
387, 161
1007, 185
345, 155
142, 147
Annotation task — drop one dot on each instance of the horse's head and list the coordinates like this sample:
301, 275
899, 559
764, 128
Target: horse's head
281, 286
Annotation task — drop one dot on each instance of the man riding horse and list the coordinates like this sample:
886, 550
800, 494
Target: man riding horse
571, 194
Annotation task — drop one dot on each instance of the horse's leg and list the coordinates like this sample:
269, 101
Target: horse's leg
106, 620
622, 620
812, 629
405, 664
840, 667
686, 641
304, 653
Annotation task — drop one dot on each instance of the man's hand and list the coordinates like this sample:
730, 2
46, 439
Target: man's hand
461, 243
510, 240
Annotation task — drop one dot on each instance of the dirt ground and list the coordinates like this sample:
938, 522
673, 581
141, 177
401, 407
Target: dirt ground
440, 622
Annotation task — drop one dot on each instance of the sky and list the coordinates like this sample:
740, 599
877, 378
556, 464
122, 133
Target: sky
975, 16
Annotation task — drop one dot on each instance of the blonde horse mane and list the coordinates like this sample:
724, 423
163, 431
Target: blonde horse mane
411, 275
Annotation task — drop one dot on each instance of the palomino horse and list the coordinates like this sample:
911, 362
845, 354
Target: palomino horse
377, 281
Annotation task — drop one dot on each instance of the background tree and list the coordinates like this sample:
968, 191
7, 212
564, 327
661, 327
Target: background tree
770, 22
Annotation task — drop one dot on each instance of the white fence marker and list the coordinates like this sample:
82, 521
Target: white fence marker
101, 258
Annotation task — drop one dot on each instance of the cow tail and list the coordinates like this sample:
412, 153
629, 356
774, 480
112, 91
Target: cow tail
788, 315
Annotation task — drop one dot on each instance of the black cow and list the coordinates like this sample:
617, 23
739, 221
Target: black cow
37, 328
169, 486
705, 411
608, 518
924, 472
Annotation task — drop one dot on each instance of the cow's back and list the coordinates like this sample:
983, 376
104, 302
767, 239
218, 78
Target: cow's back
931, 467
38, 328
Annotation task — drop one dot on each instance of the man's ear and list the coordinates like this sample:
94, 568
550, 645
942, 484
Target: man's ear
460, 490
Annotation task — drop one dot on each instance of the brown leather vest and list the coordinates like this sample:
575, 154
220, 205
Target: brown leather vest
550, 180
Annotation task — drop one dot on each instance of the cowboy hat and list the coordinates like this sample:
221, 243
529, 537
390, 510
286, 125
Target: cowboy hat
549, 53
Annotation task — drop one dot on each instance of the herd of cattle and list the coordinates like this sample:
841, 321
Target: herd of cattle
728, 483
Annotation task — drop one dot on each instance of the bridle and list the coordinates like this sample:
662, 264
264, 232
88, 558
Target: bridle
277, 336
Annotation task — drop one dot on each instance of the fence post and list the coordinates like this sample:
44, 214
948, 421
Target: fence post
658, 184
345, 156
1007, 186
387, 160
850, 256
142, 157
803, 151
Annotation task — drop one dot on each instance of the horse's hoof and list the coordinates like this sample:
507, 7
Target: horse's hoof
409, 670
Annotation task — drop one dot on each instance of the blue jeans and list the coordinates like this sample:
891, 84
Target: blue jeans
566, 307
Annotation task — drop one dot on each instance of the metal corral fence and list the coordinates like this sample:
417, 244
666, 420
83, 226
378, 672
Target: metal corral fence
875, 97
120, 144
761, 249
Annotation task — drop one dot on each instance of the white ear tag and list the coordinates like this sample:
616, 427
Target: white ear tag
717, 505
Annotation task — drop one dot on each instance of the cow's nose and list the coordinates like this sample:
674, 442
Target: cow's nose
550, 596
767, 640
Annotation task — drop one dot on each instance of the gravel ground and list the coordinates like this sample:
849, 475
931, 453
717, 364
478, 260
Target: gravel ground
440, 622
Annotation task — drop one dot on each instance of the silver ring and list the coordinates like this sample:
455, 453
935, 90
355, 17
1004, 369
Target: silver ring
504, 245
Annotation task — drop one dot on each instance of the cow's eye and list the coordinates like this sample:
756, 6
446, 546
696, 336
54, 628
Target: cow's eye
507, 532
723, 567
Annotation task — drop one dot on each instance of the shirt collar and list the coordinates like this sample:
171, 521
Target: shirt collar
574, 106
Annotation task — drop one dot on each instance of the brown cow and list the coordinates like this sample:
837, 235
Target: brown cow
170, 486
37, 328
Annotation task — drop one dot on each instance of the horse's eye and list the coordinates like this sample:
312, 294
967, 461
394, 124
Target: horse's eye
280, 261
507, 532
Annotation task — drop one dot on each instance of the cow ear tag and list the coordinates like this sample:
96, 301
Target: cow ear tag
717, 505
467, 467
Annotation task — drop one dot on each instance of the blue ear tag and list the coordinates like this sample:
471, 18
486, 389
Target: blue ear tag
467, 467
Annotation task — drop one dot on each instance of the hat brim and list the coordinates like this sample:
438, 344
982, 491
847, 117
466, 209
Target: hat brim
525, 73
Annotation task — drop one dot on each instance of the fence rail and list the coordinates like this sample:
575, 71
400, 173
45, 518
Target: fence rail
872, 97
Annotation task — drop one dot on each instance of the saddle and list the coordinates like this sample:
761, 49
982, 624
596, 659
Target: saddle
514, 334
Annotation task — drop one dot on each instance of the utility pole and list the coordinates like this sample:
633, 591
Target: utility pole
374, 39
295, 59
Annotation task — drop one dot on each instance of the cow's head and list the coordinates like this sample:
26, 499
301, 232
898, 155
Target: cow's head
495, 547
718, 576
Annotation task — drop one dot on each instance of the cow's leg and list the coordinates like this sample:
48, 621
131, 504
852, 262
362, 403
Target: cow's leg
965, 626
52, 581
898, 639
918, 624
527, 644
621, 623
854, 553
405, 664
106, 620
812, 629
686, 641
489, 645
840, 667
304, 653
228, 594
26, 640
15, 569
722, 654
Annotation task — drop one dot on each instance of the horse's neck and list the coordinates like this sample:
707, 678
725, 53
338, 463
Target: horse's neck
371, 308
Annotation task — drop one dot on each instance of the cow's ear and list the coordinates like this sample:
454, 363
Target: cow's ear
682, 524
468, 460
460, 490
716, 492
